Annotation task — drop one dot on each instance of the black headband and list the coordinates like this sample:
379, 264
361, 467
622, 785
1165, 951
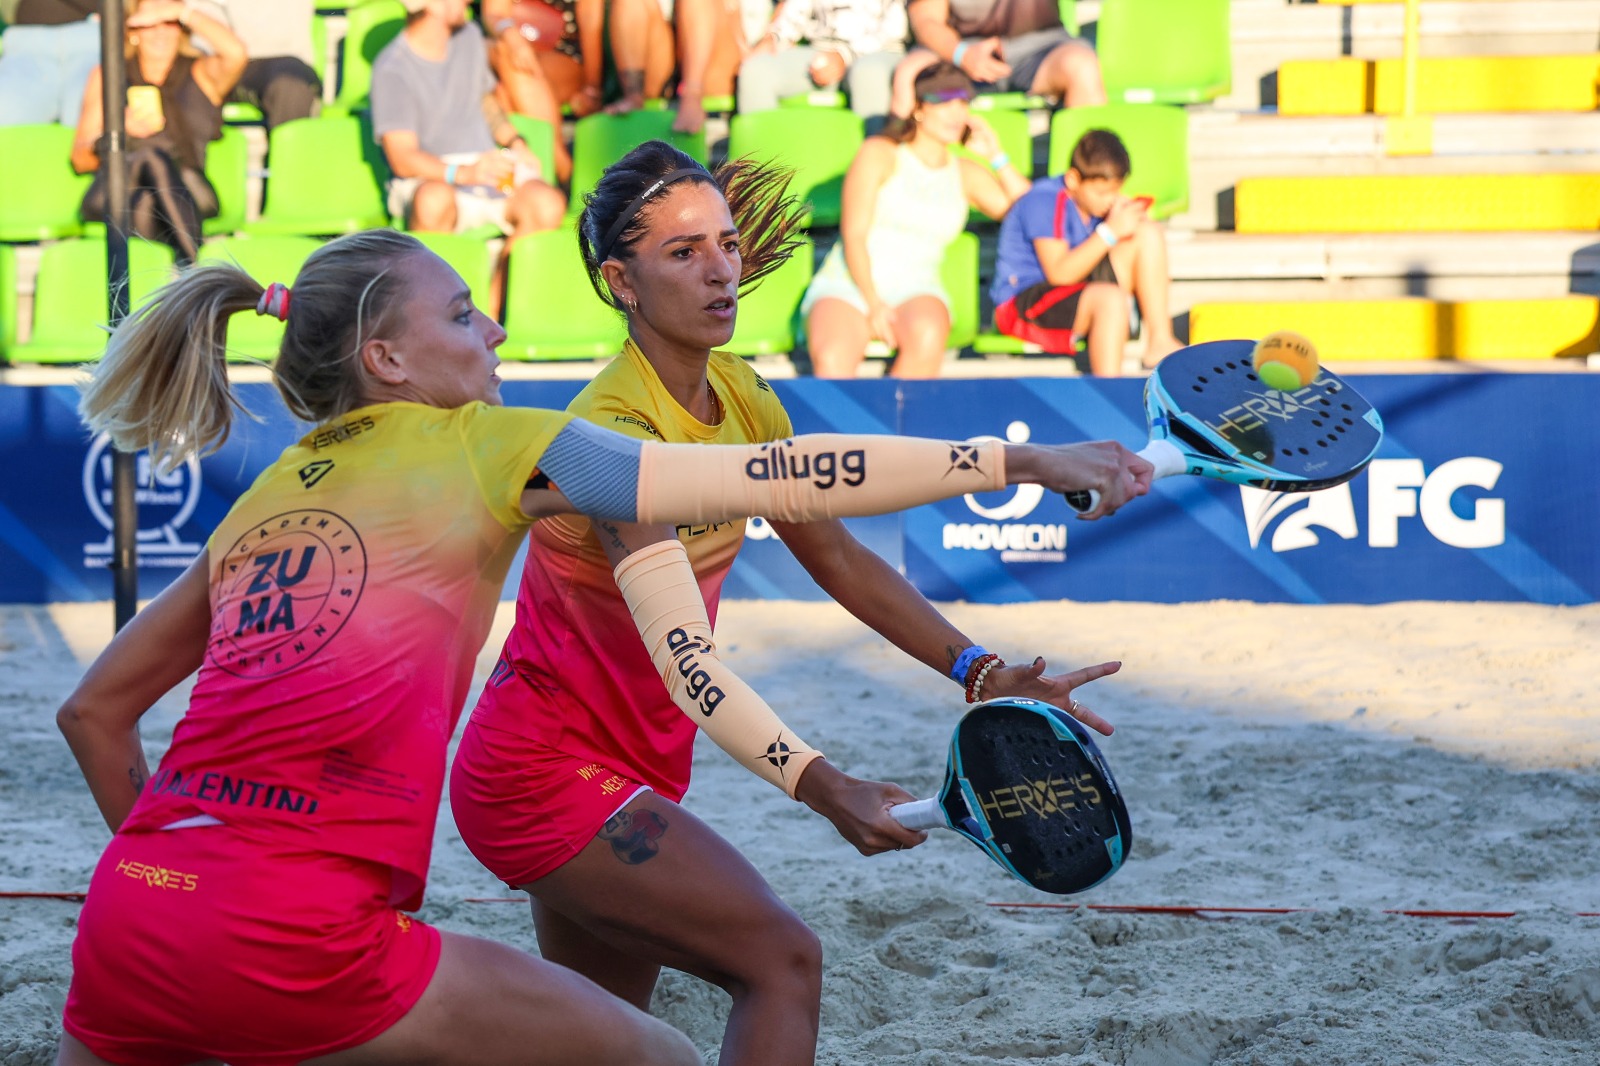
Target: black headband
638, 202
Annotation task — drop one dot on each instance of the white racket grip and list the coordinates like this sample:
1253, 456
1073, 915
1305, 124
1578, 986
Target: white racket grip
1161, 454
920, 814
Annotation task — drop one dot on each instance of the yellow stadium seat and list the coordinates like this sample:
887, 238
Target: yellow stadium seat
1385, 203
1416, 328
1444, 84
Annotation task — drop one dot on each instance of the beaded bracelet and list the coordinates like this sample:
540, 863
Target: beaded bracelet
981, 674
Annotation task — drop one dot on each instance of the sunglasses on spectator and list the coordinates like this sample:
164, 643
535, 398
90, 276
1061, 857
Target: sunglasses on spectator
944, 96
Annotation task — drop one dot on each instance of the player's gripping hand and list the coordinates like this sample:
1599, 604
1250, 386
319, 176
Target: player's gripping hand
1105, 466
1030, 680
858, 809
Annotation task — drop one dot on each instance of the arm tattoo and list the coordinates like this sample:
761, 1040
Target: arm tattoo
952, 653
136, 776
633, 835
614, 537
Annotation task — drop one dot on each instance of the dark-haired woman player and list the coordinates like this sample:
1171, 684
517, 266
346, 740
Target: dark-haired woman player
567, 780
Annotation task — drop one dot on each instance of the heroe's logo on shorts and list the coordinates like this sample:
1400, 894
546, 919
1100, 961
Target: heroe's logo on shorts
780, 461
158, 876
686, 652
1043, 799
285, 590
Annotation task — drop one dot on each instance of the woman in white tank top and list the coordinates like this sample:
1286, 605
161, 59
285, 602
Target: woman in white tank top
905, 199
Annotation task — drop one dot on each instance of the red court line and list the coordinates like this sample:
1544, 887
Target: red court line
1132, 908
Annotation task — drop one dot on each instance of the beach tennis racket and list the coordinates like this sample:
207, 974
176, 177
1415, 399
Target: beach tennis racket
1025, 783
1210, 415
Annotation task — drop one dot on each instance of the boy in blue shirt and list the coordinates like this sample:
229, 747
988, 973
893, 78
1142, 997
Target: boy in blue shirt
1071, 251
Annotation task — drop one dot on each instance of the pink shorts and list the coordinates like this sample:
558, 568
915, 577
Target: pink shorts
524, 809
198, 944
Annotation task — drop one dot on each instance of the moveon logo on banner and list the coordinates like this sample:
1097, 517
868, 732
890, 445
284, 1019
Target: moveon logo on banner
1017, 542
166, 502
1396, 489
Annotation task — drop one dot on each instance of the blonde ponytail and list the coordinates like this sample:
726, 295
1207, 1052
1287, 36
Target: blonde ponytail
163, 382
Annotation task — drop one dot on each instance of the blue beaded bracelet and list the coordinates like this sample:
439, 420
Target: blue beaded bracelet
964, 661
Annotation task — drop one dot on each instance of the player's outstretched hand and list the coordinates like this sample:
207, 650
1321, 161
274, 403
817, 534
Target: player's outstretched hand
858, 809
1030, 680
1105, 466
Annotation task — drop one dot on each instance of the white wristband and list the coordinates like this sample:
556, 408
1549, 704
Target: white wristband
1104, 232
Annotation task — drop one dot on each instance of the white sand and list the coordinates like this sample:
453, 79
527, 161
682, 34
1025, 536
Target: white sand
1347, 759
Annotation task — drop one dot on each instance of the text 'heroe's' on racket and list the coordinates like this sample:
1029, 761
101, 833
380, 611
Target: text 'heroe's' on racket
1210, 415
1026, 784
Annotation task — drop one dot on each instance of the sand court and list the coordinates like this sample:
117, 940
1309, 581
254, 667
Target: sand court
1346, 760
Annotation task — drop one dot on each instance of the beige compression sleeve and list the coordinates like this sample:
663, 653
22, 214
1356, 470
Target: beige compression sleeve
817, 476
659, 585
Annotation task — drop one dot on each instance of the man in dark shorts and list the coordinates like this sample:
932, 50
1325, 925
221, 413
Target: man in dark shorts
1072, 250
1010, 46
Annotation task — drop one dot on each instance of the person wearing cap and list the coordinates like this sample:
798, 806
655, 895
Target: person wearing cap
458, 162
1009, 46
853, 43
906, 197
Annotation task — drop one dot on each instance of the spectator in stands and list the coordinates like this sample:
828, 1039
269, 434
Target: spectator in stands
858, 42
281, 77
1009, 46
906, 197
458, 162
48, 50
700, 37
1072, 250
174, 110
538, 81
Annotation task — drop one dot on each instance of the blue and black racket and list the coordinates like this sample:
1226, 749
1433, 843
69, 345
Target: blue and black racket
1026, 784
1210, 415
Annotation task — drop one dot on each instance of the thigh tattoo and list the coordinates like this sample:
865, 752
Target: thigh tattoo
633, 834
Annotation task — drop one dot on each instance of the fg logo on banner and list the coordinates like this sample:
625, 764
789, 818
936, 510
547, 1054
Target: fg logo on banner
166, 503
1396, 489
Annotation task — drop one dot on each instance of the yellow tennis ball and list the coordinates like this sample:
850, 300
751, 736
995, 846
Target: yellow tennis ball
1285, 360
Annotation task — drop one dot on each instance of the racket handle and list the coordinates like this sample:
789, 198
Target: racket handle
1161, 454
920, 814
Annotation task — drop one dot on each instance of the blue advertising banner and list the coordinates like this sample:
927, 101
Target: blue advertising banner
1484, 490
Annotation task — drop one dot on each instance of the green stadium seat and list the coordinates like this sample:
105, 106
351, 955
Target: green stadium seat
1157, 139
1016, 140
541, 142
227, 166
766, 324
600, 140
552, 312
369, 27
8, 299
323, 178
469, 256
267, 259
69, 298
1164, 51
819, 143
815, 98
39, 193
1069, 14
959, 272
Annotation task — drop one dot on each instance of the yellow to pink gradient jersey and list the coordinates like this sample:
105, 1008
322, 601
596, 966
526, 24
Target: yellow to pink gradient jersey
351, 589
574, 641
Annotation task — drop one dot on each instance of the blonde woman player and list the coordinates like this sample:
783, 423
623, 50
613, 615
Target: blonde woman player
251, 906
567, 780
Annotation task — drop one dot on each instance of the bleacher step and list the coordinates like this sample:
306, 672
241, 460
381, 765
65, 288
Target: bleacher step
1417, 328
1214, 256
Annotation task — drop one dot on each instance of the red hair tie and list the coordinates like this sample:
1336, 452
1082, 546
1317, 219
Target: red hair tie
274, 302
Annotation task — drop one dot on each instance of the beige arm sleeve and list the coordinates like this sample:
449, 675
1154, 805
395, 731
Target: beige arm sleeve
659, 586
817, 476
